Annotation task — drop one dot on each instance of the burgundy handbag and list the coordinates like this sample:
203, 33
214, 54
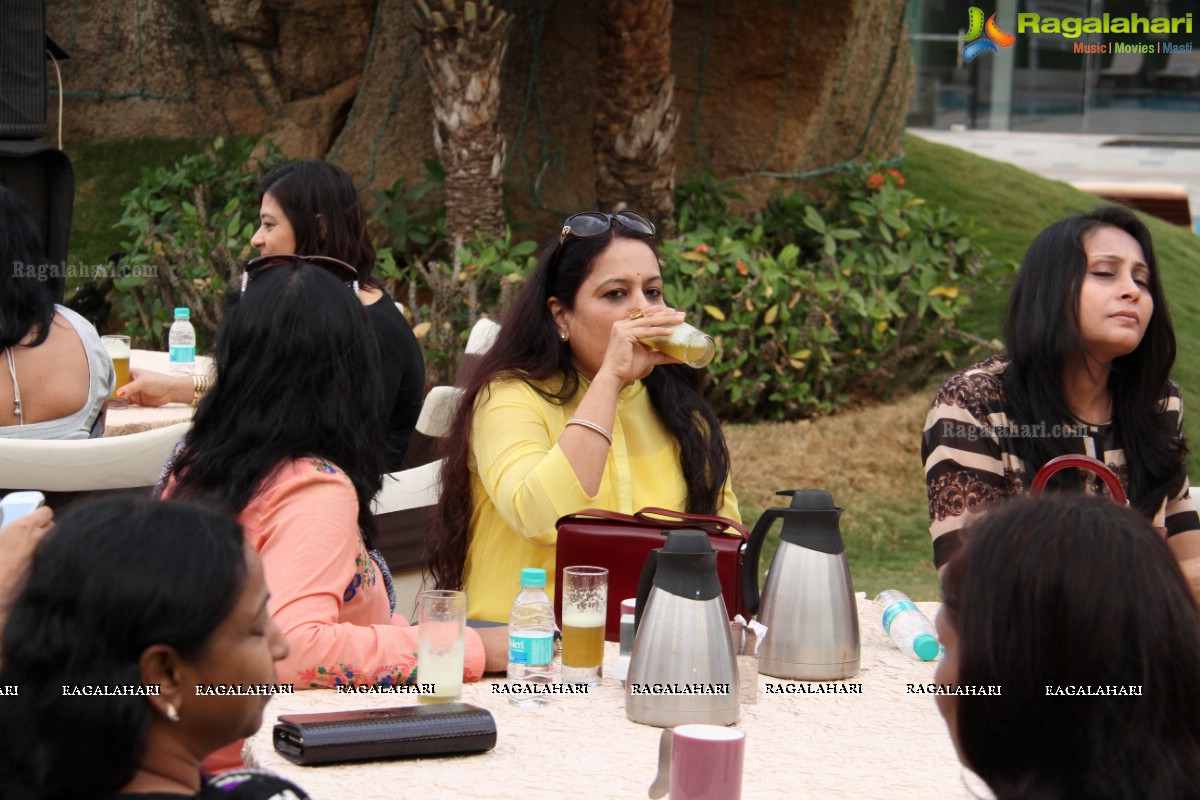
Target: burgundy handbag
620, 543
1083, 462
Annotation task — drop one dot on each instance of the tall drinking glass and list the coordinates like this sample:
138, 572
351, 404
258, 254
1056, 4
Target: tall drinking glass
585, 602
686, 343
118, 348
441, 634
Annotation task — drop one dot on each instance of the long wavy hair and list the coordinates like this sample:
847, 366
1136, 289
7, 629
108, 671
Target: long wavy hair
26, 300
1043, 335
1074, 590
528, 348
321, 204
112, 578
297, 375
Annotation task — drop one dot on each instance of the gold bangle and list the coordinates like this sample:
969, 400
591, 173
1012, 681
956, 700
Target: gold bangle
590, 426
200, 387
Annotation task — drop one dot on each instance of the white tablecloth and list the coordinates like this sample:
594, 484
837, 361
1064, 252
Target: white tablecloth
883, 743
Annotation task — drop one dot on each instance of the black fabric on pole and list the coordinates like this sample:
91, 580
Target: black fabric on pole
22, 69
45, 180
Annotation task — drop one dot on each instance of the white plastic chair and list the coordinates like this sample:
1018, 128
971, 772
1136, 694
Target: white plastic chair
402, 511
483, 336
439, 406
437, 411
88, 465
409, 497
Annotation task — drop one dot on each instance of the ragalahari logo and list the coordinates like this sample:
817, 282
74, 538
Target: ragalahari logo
994, 36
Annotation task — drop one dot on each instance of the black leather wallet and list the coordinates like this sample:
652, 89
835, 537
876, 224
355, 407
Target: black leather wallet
379, 733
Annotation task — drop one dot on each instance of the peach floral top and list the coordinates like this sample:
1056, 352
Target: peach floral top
326, 591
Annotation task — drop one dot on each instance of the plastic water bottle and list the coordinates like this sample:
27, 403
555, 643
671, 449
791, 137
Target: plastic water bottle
911, 630
182, 341
530, 640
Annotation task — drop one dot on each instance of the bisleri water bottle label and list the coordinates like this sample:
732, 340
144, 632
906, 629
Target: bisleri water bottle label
531, 651
894, 610
183, 355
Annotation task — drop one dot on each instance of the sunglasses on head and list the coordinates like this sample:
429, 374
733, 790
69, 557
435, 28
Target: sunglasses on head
339, 269
587, 224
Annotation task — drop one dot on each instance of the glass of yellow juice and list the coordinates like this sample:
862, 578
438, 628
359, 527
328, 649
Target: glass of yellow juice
585, 604
441, 634
686, 343
118, 348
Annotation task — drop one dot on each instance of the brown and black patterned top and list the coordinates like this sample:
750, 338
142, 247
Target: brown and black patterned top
969, 458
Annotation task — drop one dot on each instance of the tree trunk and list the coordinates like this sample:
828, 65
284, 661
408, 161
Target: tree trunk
463, 45
634, 133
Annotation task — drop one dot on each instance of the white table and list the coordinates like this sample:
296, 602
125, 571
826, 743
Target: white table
125, 419
883, 743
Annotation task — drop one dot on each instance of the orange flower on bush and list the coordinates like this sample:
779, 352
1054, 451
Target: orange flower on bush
702, 248
741, 268
895, 173
875, 181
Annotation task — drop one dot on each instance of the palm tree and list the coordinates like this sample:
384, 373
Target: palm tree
634, 132
464, 45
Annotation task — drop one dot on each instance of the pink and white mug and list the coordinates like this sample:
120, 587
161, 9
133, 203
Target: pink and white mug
700, 762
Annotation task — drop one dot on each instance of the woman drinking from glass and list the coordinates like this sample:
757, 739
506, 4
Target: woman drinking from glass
570, 410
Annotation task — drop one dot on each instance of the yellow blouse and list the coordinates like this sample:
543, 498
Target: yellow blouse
521, 483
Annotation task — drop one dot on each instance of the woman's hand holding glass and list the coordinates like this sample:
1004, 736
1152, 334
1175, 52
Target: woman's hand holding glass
149, 388
627, 358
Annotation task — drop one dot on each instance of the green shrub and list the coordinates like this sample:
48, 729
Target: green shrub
190, 224
410, 221
701, 201
447, 298
815, 307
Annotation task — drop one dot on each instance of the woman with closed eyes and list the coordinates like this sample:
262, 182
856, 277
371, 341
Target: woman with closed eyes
1086, 371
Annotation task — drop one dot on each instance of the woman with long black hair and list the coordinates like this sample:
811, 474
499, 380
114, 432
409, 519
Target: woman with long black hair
287, 437
1086, 371
569, 410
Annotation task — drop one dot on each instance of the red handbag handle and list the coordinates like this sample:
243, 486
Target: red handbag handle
1082, 462
600, 513
650, 515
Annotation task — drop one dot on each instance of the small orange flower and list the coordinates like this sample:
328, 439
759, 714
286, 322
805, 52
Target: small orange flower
895, 173
702, 248
875, 181
741, 268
